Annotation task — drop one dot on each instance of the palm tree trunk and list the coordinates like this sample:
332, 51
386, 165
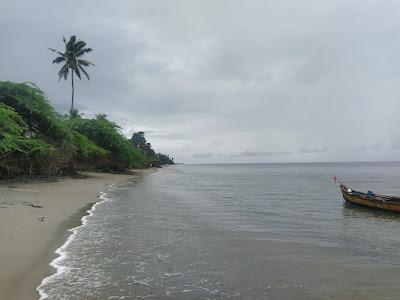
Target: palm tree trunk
73, 90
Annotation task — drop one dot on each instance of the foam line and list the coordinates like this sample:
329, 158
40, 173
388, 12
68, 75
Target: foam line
61, 251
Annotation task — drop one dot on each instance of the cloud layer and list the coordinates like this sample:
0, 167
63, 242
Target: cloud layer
225, 81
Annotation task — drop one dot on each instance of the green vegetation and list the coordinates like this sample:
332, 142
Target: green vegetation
37, 141
72, 61
165, 159
107, 135
139, 141
18, 151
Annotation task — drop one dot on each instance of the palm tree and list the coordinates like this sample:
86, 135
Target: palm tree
74, 50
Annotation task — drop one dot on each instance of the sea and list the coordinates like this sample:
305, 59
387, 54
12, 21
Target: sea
235, 231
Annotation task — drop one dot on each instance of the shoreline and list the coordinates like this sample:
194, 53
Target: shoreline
35, 221
59, 253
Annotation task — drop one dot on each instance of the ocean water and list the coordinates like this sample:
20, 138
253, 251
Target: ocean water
242, 231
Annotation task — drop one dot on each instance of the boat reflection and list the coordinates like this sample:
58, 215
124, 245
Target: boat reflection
352, 210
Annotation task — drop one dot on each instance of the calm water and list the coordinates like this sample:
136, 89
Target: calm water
250, 231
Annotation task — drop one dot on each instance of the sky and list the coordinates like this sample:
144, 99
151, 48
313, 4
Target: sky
224, 81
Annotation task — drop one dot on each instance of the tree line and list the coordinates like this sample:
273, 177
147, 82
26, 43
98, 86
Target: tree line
35, 140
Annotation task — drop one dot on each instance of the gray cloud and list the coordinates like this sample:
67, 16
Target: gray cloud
203, 155
167, 136
261, 154
312, 150
377, 146
246, 154
252, 75
396, 144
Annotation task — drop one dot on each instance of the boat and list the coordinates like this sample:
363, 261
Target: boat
371, 199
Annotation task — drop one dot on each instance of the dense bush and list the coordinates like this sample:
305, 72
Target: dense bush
37, 141
84, 148
18, 153
139, 141
108, 135
34, 139
31, 104
165, 159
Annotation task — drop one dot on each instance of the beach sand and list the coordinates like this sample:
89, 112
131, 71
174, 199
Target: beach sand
34, 222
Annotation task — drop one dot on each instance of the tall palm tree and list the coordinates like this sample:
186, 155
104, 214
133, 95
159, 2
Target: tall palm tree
74, 50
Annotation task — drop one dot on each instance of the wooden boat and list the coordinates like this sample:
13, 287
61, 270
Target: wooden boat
370, 199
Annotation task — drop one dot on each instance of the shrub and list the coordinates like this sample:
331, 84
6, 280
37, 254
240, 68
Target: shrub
107, 135
19, 153
34, 139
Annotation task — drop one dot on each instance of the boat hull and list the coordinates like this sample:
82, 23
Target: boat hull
375, 203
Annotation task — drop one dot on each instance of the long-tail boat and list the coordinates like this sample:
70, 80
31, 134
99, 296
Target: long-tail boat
371, 199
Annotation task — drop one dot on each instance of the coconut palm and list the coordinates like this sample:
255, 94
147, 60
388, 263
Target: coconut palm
74, 50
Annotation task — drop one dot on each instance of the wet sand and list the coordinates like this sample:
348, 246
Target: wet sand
34, 222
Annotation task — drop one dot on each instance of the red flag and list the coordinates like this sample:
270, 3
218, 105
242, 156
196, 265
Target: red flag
334, 178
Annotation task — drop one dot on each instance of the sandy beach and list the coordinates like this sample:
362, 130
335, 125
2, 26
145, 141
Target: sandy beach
34, 222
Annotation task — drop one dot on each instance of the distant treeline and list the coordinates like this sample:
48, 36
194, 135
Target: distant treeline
35, 140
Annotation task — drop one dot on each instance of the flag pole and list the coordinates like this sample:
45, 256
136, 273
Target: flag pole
336, 179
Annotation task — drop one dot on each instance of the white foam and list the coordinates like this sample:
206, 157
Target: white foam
61, 251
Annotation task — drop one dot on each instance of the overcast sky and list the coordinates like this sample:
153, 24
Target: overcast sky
224, 81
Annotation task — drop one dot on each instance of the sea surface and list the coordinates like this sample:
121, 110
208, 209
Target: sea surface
240, 231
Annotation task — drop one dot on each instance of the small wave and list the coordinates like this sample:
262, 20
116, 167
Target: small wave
61, 251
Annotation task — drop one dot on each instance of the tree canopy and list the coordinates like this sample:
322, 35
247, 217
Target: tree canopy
139, 141
72, 62
35, 140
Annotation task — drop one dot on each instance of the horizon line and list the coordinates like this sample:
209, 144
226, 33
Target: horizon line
300, 162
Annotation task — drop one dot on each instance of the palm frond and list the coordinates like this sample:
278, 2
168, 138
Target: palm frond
79, 45
74, 49
58, 60
56, 51
63, 72
84, 72
83, 51
66, 74
71, 42
77, 72
85, 63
